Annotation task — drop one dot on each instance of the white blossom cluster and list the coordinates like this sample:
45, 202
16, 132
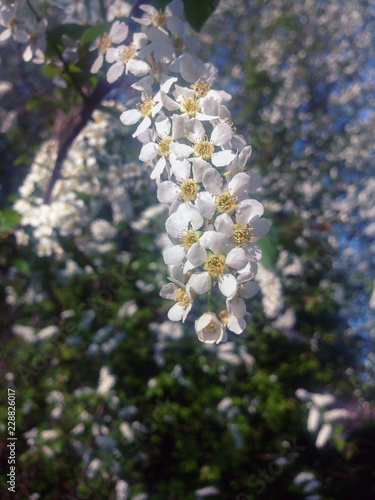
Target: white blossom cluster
27, 22
199, 165
319, 419
92, 177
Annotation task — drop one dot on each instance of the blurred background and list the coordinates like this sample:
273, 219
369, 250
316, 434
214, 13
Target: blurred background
113, 401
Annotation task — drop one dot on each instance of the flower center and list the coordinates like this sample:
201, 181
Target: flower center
242, 235
211, 327
158, 19
163, 145
225, 202
224, 316
190, 106
103, 43
127, 53
201, 88
145, 107
182, 298
215, 265
190, 238
157, 69
189, 190
204, 149
179, 43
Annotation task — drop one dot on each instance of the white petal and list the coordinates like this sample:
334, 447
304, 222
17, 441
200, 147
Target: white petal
144, 125
199, 168
228, 285
196, 218
239, 185
222, 134
176, 224
247, 210
98, 63
115, 71
178, 126
216, 242
206, 205
148, 152
168, 291
163, 126
130, 117
194, 130
119, 32
237, 307
168, 103
224, 224
180, 150
249, 289
180, 168
137, 67
222, 158
176, 312
200, 282
236, 325
174, 255
196, 255
168, 192
159, 168
236, 258
212, 181
260, 227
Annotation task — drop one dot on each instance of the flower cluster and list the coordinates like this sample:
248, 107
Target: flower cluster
199, 165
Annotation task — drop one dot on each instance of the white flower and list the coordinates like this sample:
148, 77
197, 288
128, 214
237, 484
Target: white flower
323, 435
178, 292
124, 59
236, 309
210, 329
117, 34
146, 109
158, 18
215, 263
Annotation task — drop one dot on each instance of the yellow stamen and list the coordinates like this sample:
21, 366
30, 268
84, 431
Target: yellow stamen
179, 44
226, 203
188, 238
201, 88
242, 236
158, 19
127, 53
211, 327
103, 43
189, 190
182, 298
215, 264
204, 148
145, 107
190, 106
163, 145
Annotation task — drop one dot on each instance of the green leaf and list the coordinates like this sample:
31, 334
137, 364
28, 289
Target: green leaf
269, 252
92, 33
197, 12
9, 219
74, 31
51, 71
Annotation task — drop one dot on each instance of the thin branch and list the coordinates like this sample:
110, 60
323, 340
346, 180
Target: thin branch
83, 115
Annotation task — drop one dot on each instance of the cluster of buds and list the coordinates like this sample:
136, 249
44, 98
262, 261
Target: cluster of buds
199, 165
